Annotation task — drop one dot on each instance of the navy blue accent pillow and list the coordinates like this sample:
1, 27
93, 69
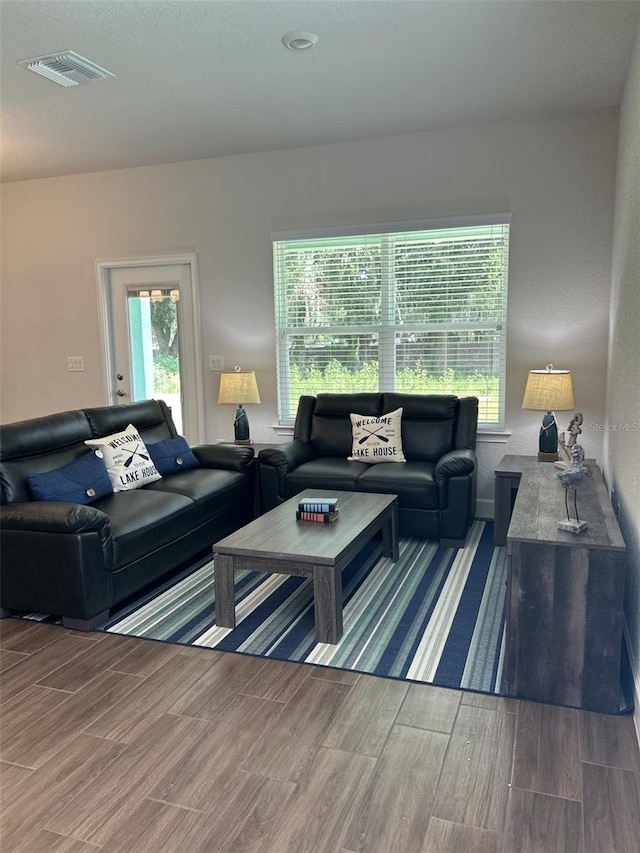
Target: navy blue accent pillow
172, 455
80, 482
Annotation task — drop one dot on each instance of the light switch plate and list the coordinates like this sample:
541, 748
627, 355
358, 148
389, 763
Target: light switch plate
75, 363
216, 362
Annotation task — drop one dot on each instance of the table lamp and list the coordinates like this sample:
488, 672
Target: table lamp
238, 388
548, 391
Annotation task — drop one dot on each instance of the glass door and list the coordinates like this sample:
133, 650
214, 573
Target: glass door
151, 353
154, 347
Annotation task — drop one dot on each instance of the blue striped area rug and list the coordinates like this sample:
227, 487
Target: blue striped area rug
437, 615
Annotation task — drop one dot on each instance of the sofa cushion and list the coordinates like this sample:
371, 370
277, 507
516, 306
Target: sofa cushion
142, 521
127, 459
377, 440
413, 482
326, 473
212, 490
172, 456
80, 482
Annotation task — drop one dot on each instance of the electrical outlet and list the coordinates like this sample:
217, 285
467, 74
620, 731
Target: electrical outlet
75, 363
216, 362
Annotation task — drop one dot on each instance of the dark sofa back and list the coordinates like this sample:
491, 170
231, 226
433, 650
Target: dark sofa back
328, 426
36, 446
151, 418
47, 443
432, 424
428, 423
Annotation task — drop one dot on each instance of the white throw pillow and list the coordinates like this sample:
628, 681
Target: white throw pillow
377, 439
127, 459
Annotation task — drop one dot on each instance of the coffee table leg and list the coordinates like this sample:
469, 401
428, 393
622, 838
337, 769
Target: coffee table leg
327, 600
390, 535
224, 591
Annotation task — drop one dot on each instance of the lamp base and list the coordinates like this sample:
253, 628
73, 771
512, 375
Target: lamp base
548, 440
241, 426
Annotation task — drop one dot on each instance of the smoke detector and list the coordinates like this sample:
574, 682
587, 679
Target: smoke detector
299, 40
66, 68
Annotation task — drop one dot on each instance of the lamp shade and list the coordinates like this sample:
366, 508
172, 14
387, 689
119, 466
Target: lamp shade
548, 390
238, 387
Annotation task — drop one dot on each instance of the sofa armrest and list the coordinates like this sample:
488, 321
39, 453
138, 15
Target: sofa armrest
56, 558
455, 476
275, 464
456, 463
58, 517
286, 456
53, 517
230, 457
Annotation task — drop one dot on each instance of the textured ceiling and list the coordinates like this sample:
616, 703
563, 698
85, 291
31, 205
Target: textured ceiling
207, 78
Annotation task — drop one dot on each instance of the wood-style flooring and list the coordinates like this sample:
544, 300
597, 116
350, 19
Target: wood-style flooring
117, 745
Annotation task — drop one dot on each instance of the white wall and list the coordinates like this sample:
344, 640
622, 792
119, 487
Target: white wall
623, 397
556, 175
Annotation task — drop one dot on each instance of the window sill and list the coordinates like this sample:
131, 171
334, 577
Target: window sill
487, 436
283, 429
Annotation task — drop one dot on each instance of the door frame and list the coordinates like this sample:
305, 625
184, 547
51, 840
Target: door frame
194, 410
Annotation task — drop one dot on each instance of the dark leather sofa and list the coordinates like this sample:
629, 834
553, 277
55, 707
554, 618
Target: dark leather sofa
436, 486
79, 561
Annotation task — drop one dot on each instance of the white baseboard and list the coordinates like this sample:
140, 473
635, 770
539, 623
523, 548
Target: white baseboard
635, 673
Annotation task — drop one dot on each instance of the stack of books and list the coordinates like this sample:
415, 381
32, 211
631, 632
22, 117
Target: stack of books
322, 510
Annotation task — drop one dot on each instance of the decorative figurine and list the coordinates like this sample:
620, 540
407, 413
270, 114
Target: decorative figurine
566, 440
571, 478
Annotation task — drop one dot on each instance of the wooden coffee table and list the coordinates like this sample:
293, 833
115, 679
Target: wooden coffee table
276, 542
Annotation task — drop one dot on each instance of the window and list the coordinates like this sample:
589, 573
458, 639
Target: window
420, 311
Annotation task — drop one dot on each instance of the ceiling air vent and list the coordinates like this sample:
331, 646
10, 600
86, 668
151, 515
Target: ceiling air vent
66, 68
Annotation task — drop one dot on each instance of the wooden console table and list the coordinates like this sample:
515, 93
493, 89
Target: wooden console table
564, 595
507, 480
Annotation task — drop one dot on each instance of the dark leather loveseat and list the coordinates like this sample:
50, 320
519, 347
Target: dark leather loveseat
436, 485
78, 561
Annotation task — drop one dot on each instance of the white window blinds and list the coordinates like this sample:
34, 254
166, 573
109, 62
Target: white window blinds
419, 311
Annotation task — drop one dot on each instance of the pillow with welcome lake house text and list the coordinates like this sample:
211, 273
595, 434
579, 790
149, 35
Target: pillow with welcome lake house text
377, 439
128, 462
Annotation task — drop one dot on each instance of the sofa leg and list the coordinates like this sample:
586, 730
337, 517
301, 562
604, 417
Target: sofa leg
85, 624
5, 612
